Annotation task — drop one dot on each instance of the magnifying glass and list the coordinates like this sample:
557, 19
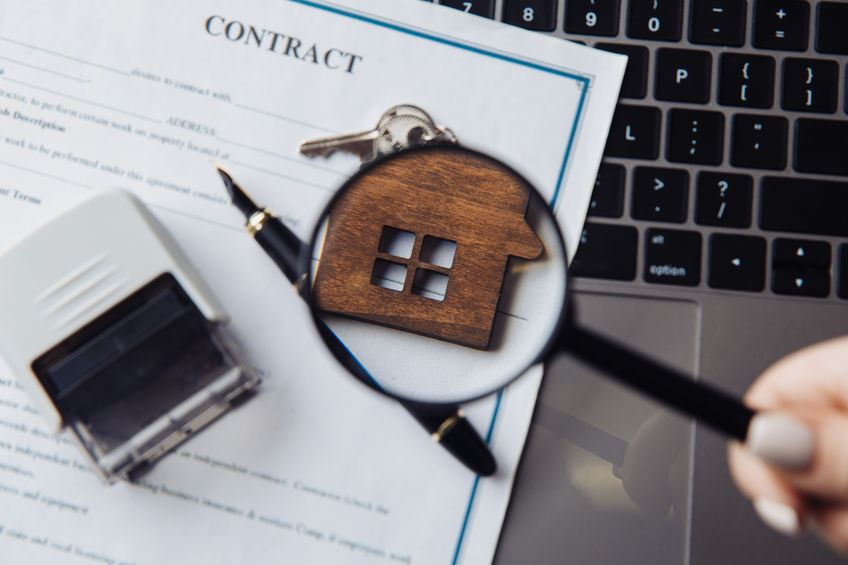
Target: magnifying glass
438, 275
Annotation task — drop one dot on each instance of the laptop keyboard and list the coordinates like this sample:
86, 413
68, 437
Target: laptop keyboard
726, 165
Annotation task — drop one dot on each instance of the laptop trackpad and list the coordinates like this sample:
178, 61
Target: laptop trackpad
605, 473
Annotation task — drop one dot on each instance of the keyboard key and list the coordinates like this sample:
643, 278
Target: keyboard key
746, 80
592, 17
800, 253
801, 267
800, 205
634, 132
831, 36
660, 194
683, 75
606, 252
781, 24
759, 141
810, 85
717, 22
608, 195
538, 15
820, 146
737, 262
723, 199
660, 20
800, 281
635, 83
842, 288
695, 136
485, 8
672, 257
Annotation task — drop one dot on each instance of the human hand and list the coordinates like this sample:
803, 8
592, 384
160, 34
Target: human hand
810, 386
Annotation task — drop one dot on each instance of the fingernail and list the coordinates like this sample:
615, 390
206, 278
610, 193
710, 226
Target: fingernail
778, 516
781, 440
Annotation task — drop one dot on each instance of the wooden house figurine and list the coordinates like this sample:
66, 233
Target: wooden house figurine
420, 242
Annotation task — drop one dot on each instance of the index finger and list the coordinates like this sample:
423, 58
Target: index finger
816, 376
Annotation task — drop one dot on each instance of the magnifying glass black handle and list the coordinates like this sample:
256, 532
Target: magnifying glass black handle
710, 405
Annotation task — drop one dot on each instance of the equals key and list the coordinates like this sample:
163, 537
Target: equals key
781, 24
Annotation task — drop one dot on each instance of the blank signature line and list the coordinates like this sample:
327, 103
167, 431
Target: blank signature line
63, 179
119, 71
285, 118
85, 101
57, 73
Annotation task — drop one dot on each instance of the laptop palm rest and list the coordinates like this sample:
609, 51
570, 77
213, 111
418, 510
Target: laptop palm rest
600, 458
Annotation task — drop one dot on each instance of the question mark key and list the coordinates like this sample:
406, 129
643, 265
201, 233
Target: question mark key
723, 199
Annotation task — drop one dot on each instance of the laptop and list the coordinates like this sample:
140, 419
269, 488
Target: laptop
716, 241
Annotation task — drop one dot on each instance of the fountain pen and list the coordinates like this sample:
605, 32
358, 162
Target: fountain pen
447, 425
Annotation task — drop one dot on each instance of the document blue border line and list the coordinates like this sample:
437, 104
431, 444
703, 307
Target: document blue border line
480, 51
455, 559
569, 145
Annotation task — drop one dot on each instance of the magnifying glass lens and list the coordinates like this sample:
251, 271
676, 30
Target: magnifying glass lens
441, 271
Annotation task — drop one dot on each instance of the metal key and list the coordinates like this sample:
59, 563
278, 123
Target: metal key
360, 144
409, 110
399, 127
390, 133
402, 131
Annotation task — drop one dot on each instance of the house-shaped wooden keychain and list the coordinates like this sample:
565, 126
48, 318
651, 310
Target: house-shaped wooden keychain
420, 242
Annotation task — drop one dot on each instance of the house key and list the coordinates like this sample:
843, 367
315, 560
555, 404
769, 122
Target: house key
399, 127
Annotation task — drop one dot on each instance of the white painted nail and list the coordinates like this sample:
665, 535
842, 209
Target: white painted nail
781, 440
778, 516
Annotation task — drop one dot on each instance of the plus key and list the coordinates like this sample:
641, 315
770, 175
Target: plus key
782, 24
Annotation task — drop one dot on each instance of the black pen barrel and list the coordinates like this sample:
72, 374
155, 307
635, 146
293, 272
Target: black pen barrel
446, 424
280, 243
704, 402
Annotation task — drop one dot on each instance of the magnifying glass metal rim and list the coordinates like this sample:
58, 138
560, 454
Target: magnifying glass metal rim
346, 358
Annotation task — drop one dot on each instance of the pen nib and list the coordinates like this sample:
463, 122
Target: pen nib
238, 197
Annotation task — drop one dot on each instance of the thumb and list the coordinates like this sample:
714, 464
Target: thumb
809, 449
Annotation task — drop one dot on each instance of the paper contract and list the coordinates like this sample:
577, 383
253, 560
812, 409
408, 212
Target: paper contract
315, 468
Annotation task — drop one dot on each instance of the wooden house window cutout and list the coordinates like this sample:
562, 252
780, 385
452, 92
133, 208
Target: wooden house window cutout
421, 241
432, 263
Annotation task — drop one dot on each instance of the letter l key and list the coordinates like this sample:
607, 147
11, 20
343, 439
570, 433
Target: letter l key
634, 132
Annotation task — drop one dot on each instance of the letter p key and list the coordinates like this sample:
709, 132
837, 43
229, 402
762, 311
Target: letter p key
681, 75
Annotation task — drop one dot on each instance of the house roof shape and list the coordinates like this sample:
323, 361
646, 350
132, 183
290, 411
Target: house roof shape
447, 193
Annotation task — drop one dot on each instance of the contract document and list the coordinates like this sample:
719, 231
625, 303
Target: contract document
315, 468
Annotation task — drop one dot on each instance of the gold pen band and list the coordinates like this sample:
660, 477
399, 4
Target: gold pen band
298, 284
447, 425
257, 220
